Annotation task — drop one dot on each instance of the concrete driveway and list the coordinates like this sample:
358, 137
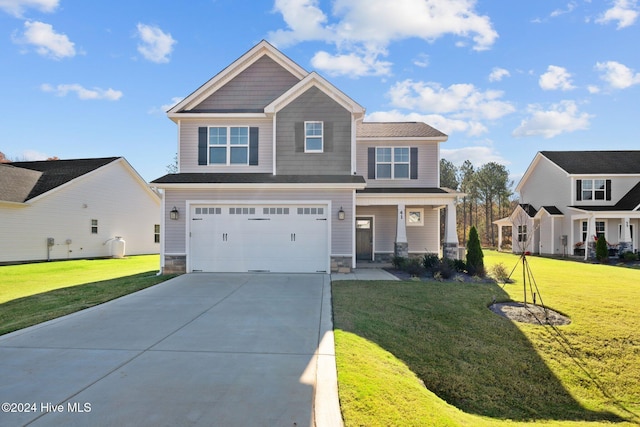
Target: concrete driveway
200, 349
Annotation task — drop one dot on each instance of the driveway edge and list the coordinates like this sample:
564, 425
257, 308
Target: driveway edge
326, 401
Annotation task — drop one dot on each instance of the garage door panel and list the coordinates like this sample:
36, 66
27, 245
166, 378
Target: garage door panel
291, 238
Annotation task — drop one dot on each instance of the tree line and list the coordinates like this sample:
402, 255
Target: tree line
487, 197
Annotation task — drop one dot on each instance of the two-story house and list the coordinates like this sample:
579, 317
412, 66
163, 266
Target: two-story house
279, 172
569, 198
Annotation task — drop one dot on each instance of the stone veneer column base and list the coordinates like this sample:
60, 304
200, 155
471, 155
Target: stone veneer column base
401, 249
624, 247
450, 250
175, 264
341, 264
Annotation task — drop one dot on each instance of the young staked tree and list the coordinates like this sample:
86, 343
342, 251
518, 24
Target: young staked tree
475, 257
602, 252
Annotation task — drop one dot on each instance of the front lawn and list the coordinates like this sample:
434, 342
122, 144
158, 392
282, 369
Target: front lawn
431, 353
34, 293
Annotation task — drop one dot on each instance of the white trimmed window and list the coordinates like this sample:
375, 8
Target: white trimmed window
229, 145
392, 162
522, 233
156, 233
94, 226
313, 137
415, 217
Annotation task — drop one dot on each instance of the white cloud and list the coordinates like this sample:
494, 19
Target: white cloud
478, 156
625, 12
350, 64
593, 89
497, 74
617, 75
156, 45
460, 100
560, 118
556, 78
570, 7
422, 60
17, 7
365, 28
33, 155
165, 107
438, 121
47, 42
83, 93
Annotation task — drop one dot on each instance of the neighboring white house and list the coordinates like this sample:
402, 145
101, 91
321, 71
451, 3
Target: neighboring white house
279, 172
63, 209
569, 198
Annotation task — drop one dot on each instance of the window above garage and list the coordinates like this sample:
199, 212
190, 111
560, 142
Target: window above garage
228, 145
313, 137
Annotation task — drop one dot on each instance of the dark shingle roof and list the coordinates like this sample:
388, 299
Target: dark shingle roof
631, 200
530, 210
16, 183
552, 210
410, 190
596, 162
58, 172
396, 130
256, 178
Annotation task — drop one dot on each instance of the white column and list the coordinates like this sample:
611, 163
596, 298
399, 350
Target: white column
451, 233
626, 230
591, 231
499, 237
401, 228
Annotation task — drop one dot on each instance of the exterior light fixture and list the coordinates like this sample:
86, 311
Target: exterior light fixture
174, 214
341, 214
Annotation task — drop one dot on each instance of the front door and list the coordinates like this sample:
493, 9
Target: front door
364, 239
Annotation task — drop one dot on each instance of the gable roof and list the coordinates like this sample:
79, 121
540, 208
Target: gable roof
397, 130
528, 209
51, 174
630, 201
16, 183
234, 69
596, 162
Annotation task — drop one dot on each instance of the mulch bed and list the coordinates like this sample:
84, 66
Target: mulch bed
529, 313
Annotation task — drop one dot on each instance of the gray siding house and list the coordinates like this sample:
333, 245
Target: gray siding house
277, 171
569, 198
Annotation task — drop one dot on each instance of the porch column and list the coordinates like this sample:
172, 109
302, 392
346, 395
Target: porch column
590, 244
499, 237
626, 242
401, 246
450, 249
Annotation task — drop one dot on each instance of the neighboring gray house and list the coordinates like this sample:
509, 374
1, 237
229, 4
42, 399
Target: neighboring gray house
63, 209
278, 172
571, 197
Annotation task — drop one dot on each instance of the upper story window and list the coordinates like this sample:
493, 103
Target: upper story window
313, 137
392, 163
228, 145
593, 189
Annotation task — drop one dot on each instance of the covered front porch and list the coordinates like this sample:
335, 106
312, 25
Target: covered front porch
619, 228
398, 222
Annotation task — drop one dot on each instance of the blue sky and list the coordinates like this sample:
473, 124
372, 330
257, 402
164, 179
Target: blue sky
503, 79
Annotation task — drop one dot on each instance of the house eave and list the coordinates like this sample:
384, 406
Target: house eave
402, 138
260, 186
181, 116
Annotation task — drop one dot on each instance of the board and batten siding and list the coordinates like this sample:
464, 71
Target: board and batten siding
313, 105
111, 195
421, 239
252, 89
341, 231
427, 163
188, 146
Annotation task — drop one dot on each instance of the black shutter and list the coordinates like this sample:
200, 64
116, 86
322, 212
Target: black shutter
578, 189
608, 189
253, 146
371, 161
202, 146
298, 136
413, 166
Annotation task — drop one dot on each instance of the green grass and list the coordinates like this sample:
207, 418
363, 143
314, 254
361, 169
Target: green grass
34, 293
431, 353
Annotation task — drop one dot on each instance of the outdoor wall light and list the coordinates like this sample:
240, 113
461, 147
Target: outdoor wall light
174, 214
341, 214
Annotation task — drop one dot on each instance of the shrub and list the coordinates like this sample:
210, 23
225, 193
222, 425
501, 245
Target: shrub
475, 262
499, 272
430, 261
629, 257
602, 252
398, 262
446, 268
414, 267
459, 265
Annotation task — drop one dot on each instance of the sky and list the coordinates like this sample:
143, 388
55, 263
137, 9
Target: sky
503, 79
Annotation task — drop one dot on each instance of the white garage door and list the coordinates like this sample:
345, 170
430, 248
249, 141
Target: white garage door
277, 238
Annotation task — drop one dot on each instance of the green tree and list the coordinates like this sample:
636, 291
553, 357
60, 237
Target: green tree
448, 175
492, 181
173, 167
602, 252
475, 257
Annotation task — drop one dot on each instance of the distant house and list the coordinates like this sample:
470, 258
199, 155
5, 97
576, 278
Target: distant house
279, 172
63, 209
569, 198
